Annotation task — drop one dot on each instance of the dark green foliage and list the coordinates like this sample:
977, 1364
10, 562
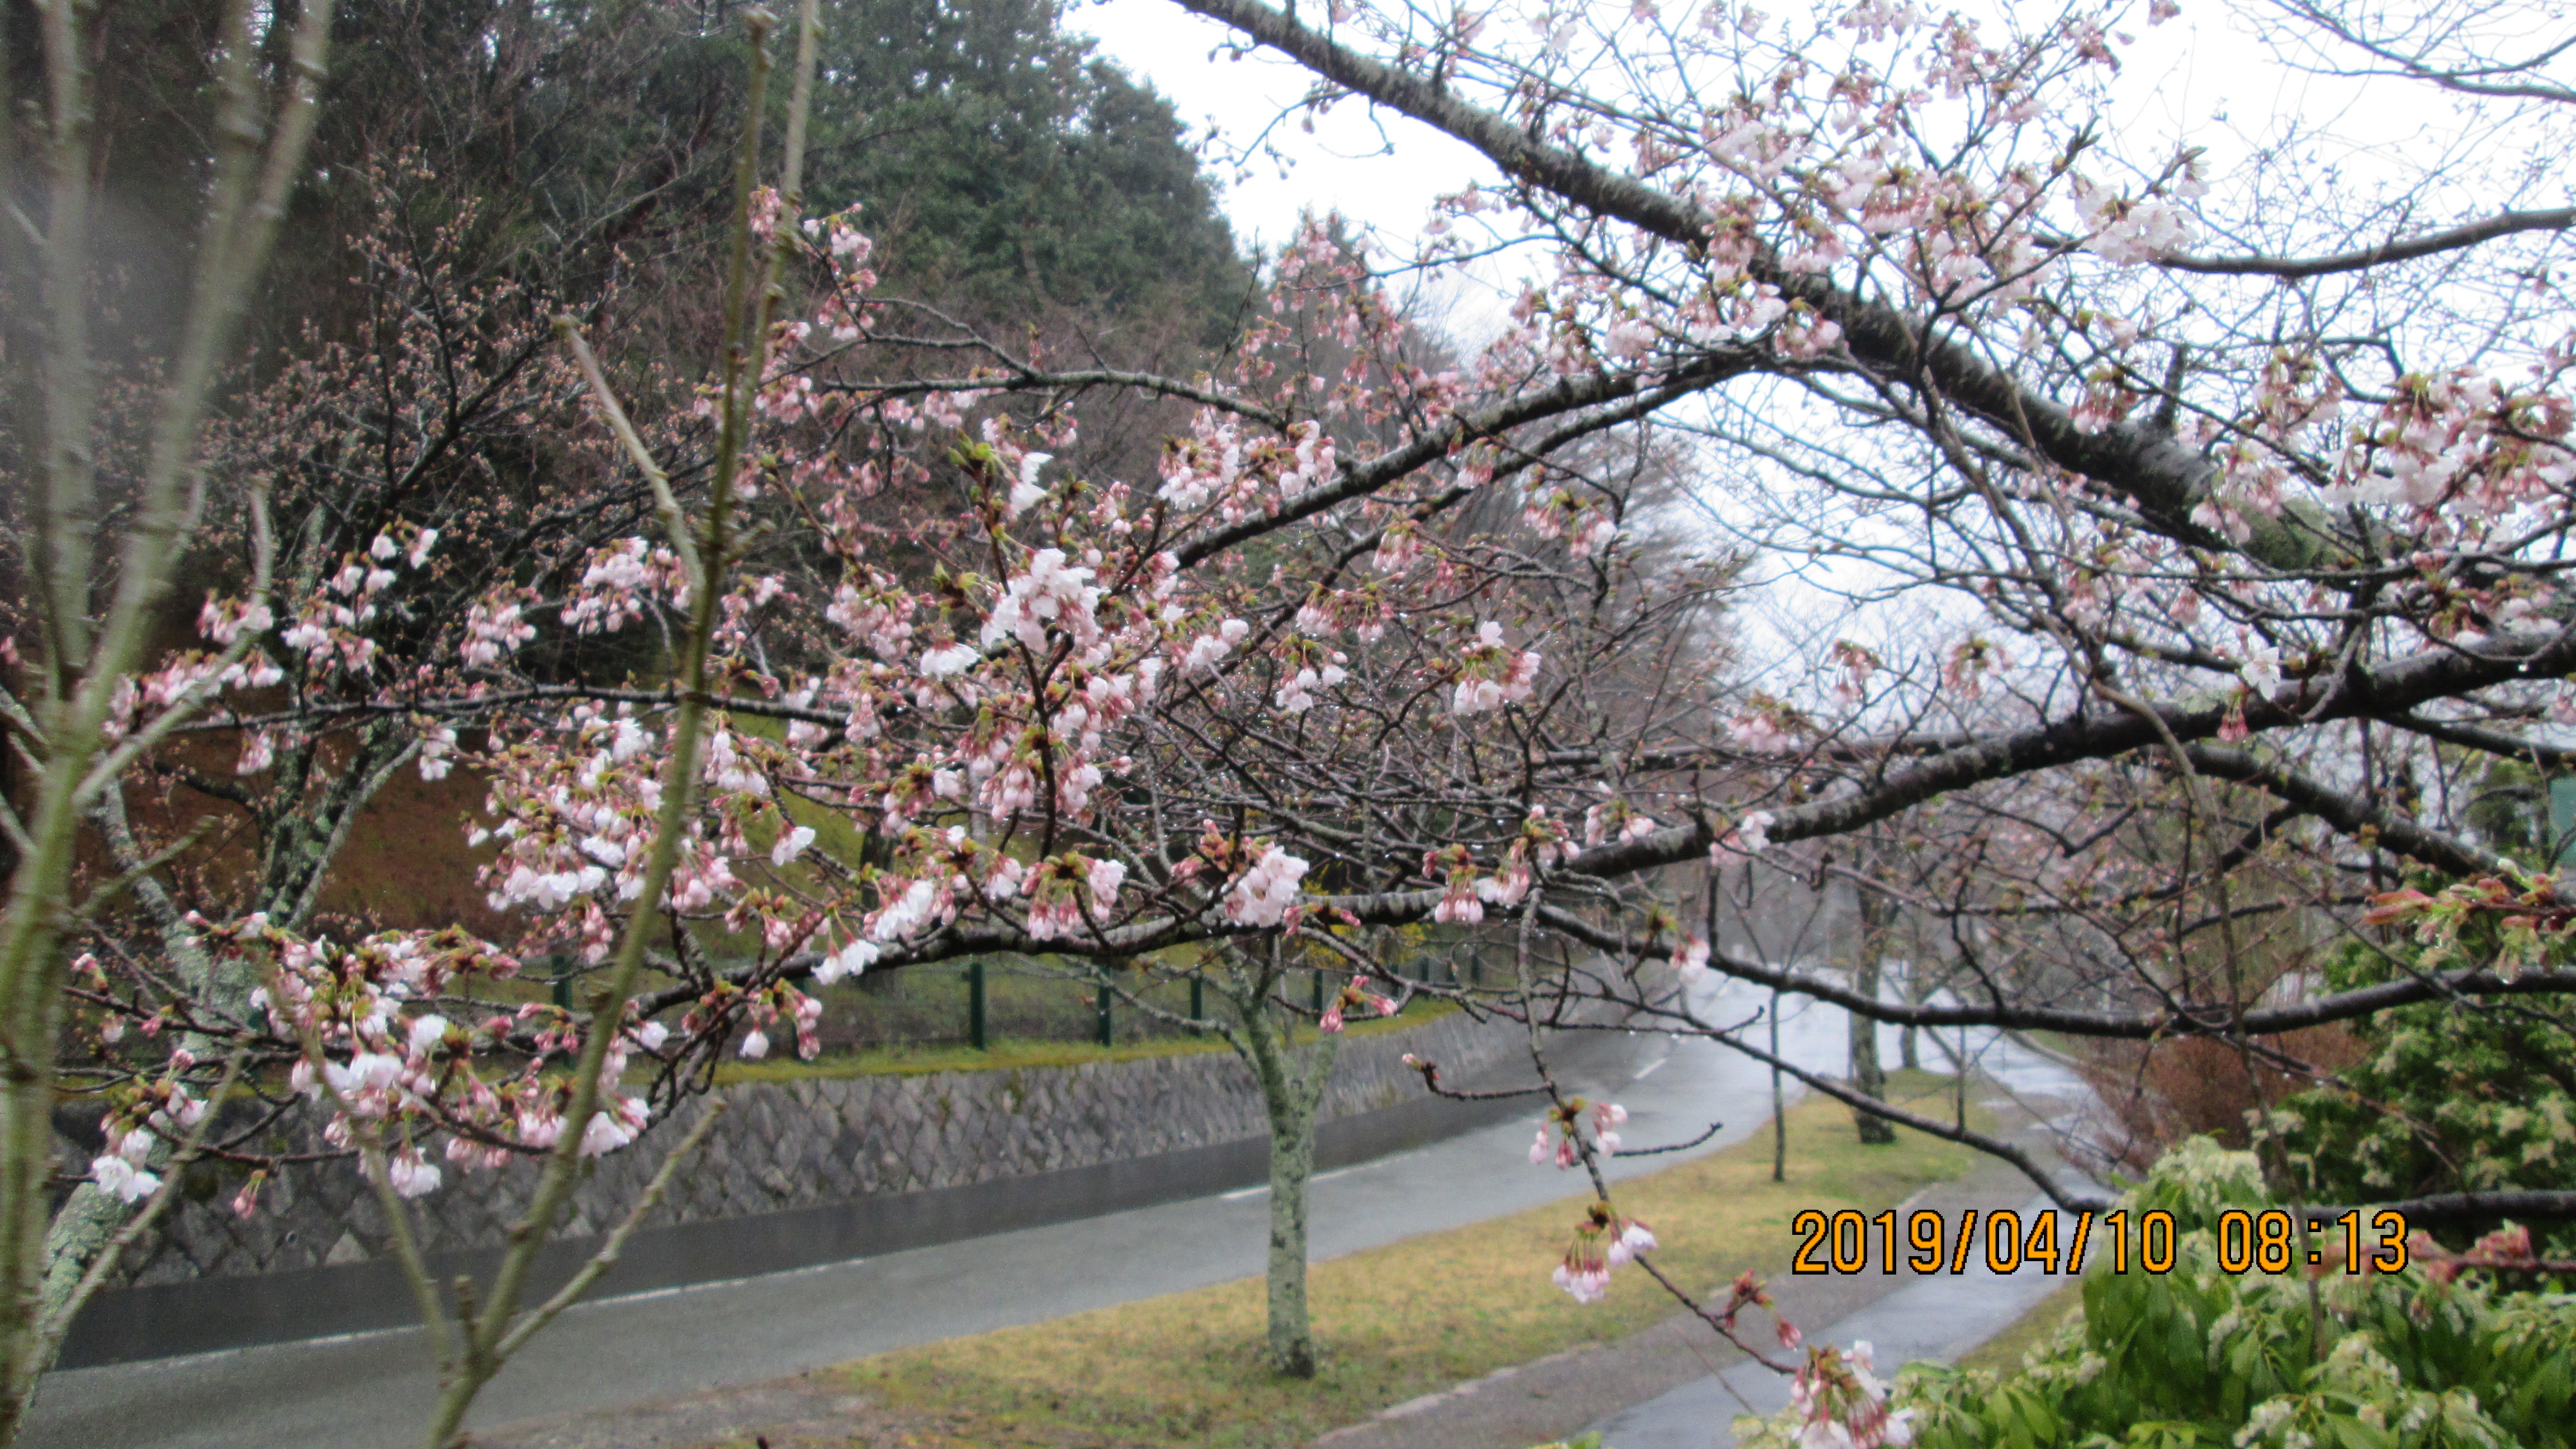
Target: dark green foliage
587, 136
2204, 1357
1006, 171
998, 162
2444, 1098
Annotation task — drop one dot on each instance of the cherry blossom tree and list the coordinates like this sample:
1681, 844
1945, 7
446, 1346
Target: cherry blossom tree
412, 606
2250, 497
1951, 342
354, 1027
2182, 513
378, 526
1080, 718
2210, 536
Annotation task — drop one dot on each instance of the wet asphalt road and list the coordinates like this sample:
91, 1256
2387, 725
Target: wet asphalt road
373, 1391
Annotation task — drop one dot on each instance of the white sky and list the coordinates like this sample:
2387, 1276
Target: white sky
2201, 74
1342, 166
2203, 78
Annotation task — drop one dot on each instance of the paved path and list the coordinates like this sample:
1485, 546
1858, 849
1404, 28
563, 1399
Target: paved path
1677, 1384
372, 1391
1935, 1317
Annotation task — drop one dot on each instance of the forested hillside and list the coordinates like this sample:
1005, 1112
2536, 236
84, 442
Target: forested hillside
479, 168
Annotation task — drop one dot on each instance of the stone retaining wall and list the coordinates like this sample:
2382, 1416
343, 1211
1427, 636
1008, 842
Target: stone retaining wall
812, 1143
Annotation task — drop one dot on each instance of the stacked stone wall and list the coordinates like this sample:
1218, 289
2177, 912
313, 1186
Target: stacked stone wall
813, 1143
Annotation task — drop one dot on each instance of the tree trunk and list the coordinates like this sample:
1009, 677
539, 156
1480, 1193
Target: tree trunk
1292, 1165
1290, 1092
1779, 1104
1921, 980
1867, 1074
1868, 953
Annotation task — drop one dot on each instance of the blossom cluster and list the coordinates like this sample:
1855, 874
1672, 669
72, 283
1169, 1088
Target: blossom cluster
1576, 1129
1355, 997
394, 1073
1602, 1241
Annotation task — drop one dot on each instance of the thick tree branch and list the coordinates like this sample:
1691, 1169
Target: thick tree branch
2350, 813
2455, 1207
2193, 1019
2502, 224
2165, 478
2487, 740
1571, 394
2393, 690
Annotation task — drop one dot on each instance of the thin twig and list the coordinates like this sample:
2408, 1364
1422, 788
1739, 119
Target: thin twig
606, 1258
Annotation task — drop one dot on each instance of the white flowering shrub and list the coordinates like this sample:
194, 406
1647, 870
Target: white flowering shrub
2451, 1351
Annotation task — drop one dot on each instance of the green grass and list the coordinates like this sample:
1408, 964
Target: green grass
1394, 1322
1018, 1054
902, 1061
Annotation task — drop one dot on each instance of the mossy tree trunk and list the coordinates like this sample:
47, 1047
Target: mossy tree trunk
1292, 1081
1876, 915
299, 840
1867, 1073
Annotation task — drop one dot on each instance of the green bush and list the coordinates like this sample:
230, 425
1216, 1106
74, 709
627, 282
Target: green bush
2446, 1097
2203, 1357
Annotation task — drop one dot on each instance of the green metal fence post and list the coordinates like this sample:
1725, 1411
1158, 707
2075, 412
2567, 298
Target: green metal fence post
1106, 1026
1319, 993
975, 1031
1198, 1001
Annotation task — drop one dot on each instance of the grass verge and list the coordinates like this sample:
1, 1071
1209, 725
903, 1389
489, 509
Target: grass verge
1395, 1322
2002, 1354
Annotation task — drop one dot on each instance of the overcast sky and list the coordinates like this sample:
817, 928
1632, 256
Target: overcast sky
2203, 77
1341, 166
2175, 81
